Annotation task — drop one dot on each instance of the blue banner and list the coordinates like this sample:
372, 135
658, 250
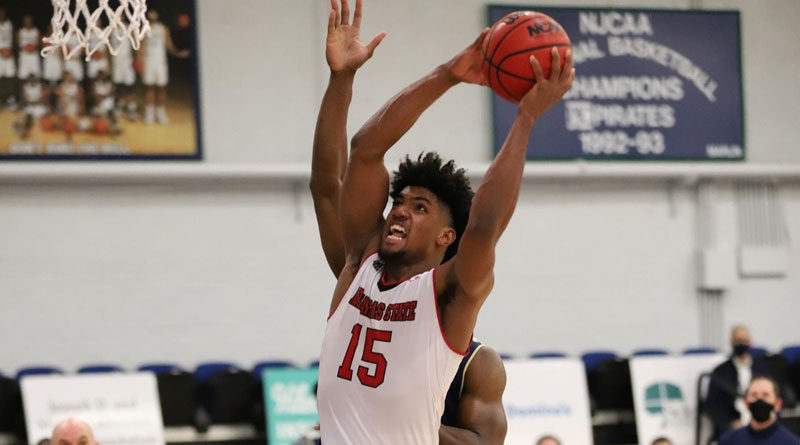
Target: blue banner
649, 85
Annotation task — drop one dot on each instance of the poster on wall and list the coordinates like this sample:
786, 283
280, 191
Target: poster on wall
650, 85
138, 104
291, 404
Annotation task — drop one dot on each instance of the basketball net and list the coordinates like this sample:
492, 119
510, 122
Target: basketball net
127, 21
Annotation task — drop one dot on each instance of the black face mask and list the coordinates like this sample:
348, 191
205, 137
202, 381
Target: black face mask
741, 349
760, 410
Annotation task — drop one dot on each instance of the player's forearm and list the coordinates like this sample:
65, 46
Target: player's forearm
329, 156
397, 116
496, 197
449, 435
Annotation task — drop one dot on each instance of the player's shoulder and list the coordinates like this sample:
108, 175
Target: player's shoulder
485, 372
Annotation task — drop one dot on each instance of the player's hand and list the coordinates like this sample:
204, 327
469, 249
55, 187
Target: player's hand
344, 50
467, 66
547, 91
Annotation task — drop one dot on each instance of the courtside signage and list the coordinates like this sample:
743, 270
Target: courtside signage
122, 409
547, 397
665, 395
649, 85
291, 404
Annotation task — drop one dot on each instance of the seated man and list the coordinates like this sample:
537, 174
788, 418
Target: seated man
724, 403
764, 403
72, 432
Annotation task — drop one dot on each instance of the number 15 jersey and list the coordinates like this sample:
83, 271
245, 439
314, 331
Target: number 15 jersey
385, 365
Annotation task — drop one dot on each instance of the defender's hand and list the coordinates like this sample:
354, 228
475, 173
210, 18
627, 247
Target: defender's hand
344, 50
467, 66
547, 91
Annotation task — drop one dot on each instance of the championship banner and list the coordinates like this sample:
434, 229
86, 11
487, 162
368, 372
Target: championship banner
665, 395
650, 85
137, 104
547, 397
121, 409
291, 404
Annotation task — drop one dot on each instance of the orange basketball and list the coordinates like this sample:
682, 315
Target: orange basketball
102, 125
5, 52
183, 20
70, 126
509, 45
30, 48
47, 123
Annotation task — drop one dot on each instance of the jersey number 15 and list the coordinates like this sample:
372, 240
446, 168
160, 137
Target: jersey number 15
369, 356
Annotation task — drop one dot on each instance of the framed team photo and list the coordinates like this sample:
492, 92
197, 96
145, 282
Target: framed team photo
136, 105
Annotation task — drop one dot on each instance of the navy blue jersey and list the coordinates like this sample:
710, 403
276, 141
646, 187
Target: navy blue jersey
451, 401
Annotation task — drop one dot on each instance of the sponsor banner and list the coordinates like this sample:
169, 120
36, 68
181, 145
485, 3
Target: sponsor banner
122, 409
644, 89
291, 404
665, 395
547, 397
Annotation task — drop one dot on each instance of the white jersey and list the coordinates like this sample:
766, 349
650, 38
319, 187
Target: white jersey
156, 51
29, 38
385, 365
70, 99
32, 92
6, 35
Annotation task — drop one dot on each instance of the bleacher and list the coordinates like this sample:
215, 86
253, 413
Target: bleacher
223, 402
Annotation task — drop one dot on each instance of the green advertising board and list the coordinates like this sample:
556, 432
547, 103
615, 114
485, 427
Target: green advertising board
291, 406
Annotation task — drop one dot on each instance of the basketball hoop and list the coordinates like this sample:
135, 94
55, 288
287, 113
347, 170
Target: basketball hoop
126, 21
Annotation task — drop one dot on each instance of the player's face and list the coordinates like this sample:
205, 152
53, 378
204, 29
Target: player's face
761, 389
152, 16
27, 21
415, 226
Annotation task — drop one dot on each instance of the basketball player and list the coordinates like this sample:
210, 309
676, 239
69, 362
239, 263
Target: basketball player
473, 406
74, 64
53, 66
29, 59
8, 66
98, 61
413, 283
124, 76
103, 99
156, 71
70, 104
34, 99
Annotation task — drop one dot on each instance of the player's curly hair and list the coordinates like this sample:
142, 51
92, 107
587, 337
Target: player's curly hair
443, 179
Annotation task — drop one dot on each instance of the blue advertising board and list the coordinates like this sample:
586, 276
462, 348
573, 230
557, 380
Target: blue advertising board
649, 85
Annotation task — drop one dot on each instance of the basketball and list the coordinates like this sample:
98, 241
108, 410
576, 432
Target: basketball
69, 125
47, 123
183, 21
30, 48
102, 125
509, 45
5, 53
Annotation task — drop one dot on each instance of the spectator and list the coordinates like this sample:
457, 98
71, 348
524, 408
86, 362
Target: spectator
725, 403
764, 402
72, 432
548, 440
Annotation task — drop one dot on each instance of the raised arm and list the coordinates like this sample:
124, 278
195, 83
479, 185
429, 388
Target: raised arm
366, 183
344, 53
481, 413
470, 274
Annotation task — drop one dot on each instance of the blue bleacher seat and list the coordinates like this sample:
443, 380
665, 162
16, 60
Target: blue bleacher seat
160, 368
700, 350
548, 354
649, 352
591, 359
314, 364
99, 369
205, 370
37, 370
258, 369
792, 354
757, 351
506, 356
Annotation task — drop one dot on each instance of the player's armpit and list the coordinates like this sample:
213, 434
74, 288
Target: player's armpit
481, 412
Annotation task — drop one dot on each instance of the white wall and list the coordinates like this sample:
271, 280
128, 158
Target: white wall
234, 271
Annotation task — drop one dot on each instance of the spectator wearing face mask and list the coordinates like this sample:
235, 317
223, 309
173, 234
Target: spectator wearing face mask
725, 400
764, 402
